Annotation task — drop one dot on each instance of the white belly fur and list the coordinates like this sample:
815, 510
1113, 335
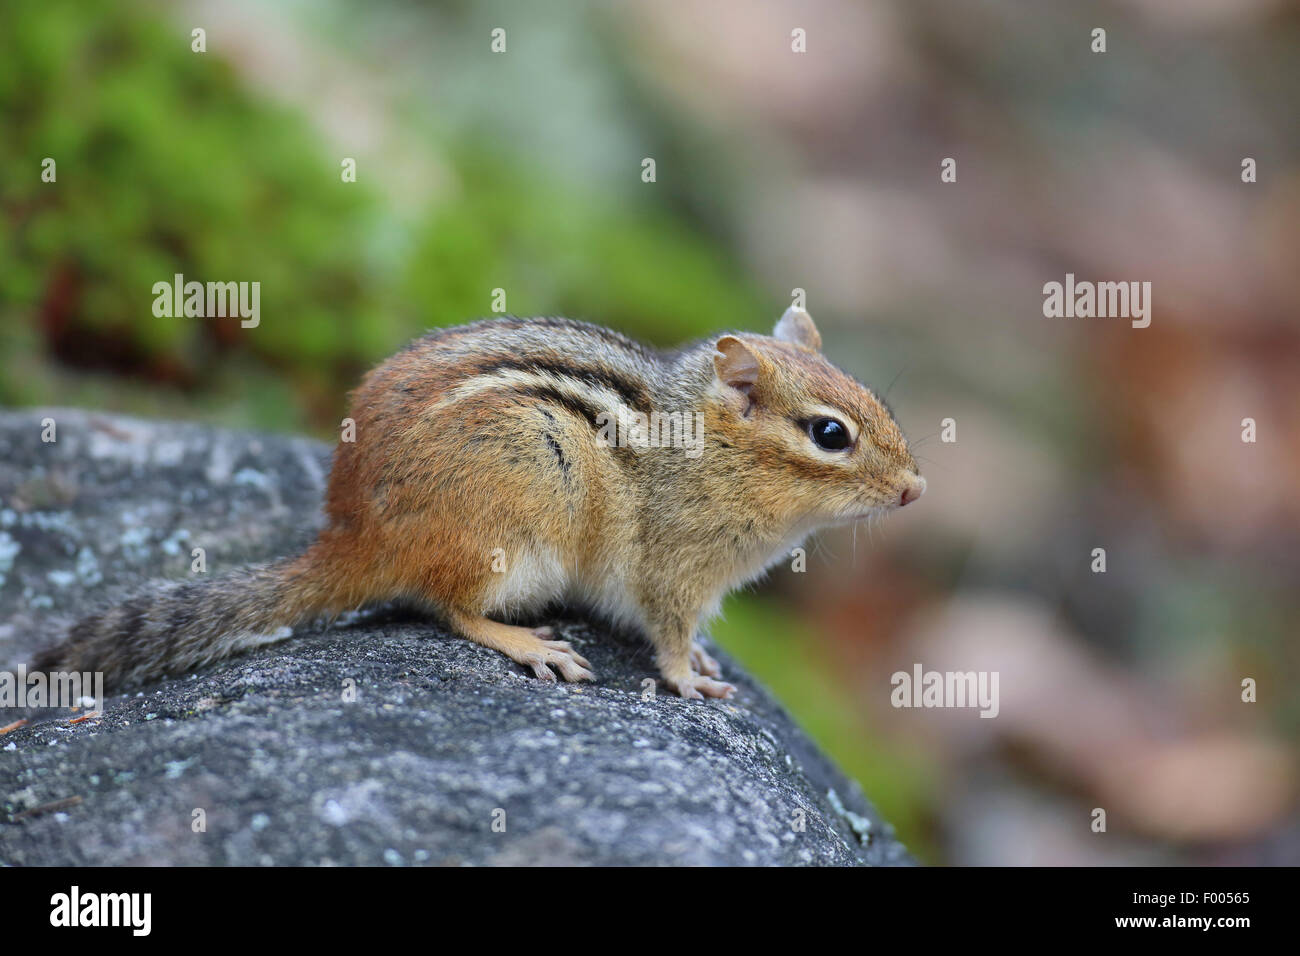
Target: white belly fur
531, 581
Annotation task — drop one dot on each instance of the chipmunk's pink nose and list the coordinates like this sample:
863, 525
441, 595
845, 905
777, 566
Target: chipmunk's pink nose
912, 491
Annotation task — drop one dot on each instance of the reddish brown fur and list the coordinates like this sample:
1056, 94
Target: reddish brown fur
475, 446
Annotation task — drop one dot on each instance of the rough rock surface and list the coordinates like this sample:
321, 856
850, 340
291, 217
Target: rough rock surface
444, 738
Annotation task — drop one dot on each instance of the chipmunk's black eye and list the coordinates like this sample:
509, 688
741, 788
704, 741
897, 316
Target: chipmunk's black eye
828, 433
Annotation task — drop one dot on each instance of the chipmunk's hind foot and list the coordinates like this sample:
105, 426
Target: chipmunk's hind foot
527, 646
704, 663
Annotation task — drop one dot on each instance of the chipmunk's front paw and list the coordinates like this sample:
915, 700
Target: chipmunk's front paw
697, 687
703, 663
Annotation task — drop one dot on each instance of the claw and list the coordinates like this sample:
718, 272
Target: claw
538, 664
571, 666
697, 687
703, 663
568, 649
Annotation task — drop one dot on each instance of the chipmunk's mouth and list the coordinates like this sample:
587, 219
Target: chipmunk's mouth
853, 517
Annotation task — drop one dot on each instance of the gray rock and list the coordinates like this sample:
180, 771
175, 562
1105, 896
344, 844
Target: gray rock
444, 737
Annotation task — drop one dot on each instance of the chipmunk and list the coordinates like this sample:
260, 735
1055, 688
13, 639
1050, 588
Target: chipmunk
483, 484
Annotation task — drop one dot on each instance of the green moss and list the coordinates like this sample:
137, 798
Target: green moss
165, 165
168, 164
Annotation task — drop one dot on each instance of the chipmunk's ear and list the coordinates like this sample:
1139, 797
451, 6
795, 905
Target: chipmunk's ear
796, 327
735, 364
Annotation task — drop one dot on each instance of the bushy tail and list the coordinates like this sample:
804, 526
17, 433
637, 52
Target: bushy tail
172, 627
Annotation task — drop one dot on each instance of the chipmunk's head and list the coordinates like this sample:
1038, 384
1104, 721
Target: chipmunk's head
824, 445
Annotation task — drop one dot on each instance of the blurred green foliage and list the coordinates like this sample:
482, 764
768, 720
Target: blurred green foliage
167, 164
632, 266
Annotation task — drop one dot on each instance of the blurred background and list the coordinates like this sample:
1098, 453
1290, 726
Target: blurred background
775, 171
